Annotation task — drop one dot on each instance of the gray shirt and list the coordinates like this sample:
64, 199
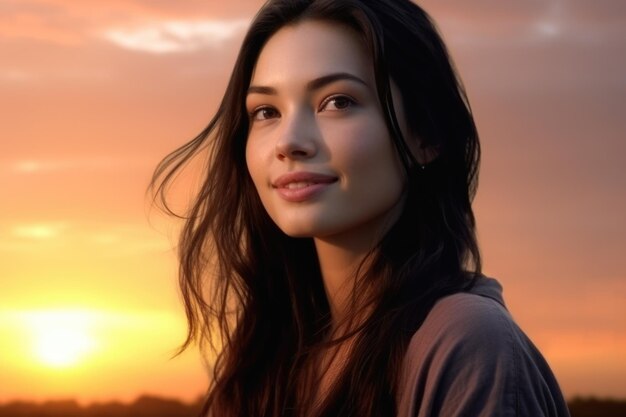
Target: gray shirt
470, 359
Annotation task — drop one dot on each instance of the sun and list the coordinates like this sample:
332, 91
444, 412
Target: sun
61, 347
61, 339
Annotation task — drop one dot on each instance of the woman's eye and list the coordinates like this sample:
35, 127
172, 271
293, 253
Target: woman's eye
337, 103
263, 113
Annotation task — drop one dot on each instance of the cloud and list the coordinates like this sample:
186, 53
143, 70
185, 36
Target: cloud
38, 231
111, 240
41, 166
520, 24
176, 36
130, 23
538, 47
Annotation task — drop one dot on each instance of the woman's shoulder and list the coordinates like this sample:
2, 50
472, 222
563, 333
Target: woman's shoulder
470, 357
468, 315
472, 325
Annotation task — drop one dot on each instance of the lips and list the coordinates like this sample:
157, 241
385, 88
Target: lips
301, 179
302, 186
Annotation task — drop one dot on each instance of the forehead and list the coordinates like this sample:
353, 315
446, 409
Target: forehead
310, 49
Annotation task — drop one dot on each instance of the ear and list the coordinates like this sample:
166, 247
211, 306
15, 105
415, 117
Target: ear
424, 154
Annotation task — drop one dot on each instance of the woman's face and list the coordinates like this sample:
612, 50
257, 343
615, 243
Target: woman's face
318, 150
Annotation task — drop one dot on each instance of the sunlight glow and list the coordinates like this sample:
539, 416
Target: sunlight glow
61, 338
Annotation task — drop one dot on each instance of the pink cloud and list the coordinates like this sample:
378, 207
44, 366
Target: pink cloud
70, 23
175, 36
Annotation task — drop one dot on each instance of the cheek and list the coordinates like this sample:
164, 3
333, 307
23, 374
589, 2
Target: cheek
258, 161
254, 162
250, 164
364, 147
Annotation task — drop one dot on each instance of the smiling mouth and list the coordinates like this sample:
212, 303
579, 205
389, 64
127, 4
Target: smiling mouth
301, 186
298, 185
298, 180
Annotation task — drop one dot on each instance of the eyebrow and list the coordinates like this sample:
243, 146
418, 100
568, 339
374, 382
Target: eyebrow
311, 85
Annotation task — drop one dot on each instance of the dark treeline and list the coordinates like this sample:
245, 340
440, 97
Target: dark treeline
144, 406
596, 407
150, 406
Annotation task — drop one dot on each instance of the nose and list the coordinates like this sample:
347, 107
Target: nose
298, 139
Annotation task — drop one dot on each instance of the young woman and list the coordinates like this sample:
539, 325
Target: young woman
330, 257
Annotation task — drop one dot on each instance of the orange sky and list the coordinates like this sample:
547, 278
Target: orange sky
93, 94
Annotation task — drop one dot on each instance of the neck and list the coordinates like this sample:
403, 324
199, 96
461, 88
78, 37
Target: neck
343, 260
341, 266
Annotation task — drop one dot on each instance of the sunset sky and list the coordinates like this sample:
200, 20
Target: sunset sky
94, 93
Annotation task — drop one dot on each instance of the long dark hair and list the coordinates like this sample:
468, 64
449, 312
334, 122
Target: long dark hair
254, 296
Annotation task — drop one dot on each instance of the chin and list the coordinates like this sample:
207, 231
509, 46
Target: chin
302, 230
297, 232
